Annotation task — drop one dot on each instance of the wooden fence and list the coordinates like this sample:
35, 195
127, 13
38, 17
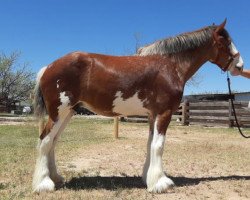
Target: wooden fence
208, 113
205, 113
213, 113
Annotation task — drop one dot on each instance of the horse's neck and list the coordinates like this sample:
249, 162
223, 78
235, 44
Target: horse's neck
190, 61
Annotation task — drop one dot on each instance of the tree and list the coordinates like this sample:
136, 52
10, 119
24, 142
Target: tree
137, 37
16, 80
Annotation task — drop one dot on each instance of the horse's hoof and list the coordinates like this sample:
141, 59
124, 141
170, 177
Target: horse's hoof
58, 180
162, 185
47, 185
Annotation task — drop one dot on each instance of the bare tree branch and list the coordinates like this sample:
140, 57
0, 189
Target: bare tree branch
16, 80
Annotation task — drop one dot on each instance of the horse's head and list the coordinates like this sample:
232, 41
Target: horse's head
225, 54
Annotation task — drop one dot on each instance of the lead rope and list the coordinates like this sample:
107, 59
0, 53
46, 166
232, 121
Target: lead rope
232, 103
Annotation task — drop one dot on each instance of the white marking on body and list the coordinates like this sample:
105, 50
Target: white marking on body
157, 182
130, 106
64, 103
57, 83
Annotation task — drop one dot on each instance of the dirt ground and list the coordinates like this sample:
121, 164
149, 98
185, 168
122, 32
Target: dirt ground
204, 163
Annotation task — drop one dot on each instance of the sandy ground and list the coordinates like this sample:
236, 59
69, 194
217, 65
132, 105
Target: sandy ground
199, 163
204, 163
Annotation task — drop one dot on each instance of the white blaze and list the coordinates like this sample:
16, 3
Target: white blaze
238, 61
130, 106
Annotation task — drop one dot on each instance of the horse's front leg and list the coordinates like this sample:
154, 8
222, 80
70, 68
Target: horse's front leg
157, 181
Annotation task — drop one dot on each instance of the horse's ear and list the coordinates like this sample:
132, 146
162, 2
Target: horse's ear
221, 26
216, 33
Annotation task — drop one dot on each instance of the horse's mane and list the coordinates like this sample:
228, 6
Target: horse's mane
180, 43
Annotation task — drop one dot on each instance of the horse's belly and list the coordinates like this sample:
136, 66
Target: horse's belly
130, 106
119, 107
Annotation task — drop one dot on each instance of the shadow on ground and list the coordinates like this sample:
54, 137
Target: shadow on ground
127, 182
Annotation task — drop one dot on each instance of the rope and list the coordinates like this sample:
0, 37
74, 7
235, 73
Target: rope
232, 103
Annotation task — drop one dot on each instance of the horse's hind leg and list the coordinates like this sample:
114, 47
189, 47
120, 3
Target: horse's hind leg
46, 175
57, 179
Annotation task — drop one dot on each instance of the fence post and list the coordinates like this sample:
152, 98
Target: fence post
116, 127
231, 114
184, 111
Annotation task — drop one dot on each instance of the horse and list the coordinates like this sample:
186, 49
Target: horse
149, 83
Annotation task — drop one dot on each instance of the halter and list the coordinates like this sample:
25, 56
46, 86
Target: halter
230, 60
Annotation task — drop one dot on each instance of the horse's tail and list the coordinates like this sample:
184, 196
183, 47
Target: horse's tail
38, 101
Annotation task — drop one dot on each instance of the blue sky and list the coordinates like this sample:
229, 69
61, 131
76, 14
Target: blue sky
44, 30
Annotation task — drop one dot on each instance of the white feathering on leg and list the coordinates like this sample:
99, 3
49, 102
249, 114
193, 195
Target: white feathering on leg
157, 182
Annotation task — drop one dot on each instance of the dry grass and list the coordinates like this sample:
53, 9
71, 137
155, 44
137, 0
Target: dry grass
205, 163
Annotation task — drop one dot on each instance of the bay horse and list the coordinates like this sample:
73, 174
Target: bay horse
149, 83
